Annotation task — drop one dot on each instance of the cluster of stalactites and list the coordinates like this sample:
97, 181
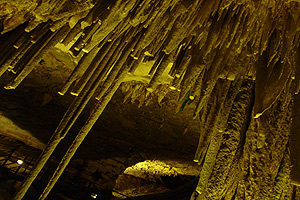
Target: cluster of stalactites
137, 92
205, 40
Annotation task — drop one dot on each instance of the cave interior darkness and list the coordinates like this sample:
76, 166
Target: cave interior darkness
150, 99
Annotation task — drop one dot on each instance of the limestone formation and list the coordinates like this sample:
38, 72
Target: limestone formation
237, 61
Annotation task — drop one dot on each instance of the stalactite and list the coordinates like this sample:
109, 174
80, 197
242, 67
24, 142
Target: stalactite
204, 12
76, 73
33, 23
247, 29
144, 94
20, 58
94, 66
166, 60
271, 135
235, 26
117, 14
40, 162
290, 31
238, 39
66, 123
56, 25
210, 115
212, 38
196, 91
225, 24
156, 63
180, 52
5, 59
130, 61
89, 33
153, 30
162, 93
177, 33
267, 30
12, 38
172, 33
127, 86
8, 64
38, 56
200, 38
119, 67
179, 73
81, 101
105, 64
136, 91
265, 84
86, 34
100, 7
142, 13
210, 77
157, 43
6, 46
72, 34
39, 31
23, 57
70, 9
112, 58
128, 91
76, 47
196, 66
149, 98
121, 28
77, 17
178, 79
216, 7
158, 9
25, 37
57, 4
140, 57
75, 53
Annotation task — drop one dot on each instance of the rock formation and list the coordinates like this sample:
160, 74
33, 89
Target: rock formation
235, 63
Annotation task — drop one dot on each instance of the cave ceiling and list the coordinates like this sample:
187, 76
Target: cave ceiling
207, 89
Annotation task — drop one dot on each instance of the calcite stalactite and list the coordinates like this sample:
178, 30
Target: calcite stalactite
167, 58
93, 67
10, 53
39, 53
82, 65
118, 12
